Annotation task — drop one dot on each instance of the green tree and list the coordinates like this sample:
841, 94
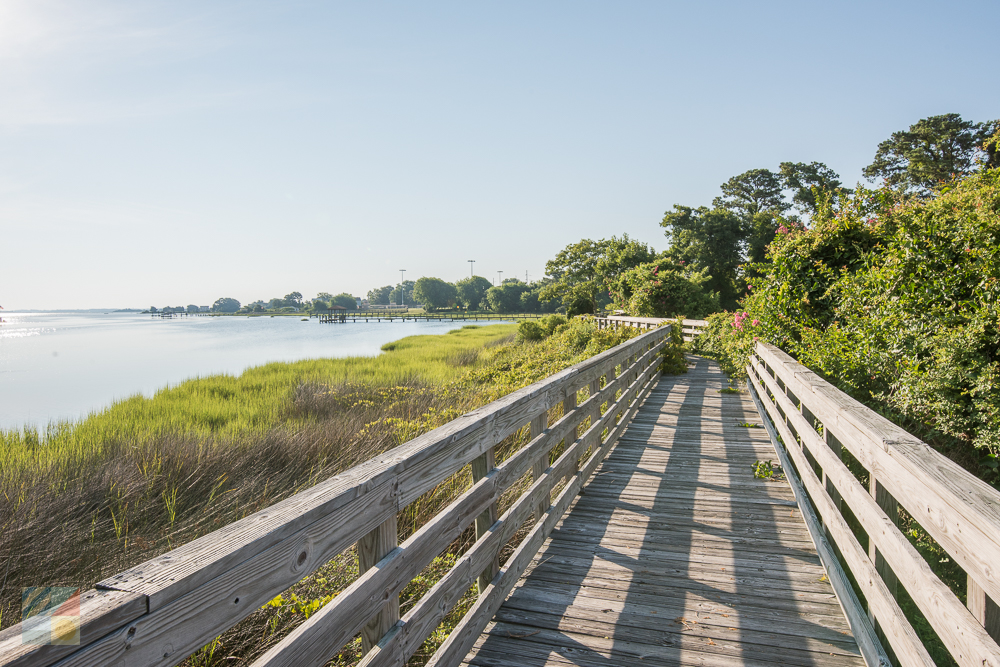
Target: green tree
708, 240
618, 256
752, 192
225, 305
344, 300
380, 295
325, 297
294, 299
407, 289
809, 183
576, 279
472, 290
506, 298
531, 301
434, 293
932, 152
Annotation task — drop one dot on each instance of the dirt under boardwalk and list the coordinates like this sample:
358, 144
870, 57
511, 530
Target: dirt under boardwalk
676, 555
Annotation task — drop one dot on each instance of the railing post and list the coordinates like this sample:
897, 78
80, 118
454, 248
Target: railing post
984, 608
890, 506
569, 404
838, 449
481, 465
372, 548
539, 424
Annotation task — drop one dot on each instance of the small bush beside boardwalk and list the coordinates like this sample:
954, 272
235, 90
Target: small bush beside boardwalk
81, 501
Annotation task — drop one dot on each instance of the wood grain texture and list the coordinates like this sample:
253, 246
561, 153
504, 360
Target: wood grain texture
372, 548
480, 468
673, 554
101, 612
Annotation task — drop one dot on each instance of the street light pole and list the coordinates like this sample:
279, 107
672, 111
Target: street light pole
472, 266
402, 288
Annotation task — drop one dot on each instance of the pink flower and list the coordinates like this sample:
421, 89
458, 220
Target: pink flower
681, 262
756, 322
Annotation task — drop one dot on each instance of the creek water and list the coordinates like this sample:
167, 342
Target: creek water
63, 365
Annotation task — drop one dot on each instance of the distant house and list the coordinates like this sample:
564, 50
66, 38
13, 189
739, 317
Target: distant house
360, 302
203, 309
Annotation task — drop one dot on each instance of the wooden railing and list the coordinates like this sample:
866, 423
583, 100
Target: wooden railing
160, 612
821, 427
690, 329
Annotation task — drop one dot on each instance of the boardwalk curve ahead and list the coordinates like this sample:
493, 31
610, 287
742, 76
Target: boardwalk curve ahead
675, 554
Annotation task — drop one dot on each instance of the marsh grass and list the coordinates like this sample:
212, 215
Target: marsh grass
79, 502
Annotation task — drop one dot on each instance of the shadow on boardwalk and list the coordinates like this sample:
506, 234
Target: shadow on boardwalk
675, 554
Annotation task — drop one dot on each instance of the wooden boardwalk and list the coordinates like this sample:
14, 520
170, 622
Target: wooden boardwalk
675, 554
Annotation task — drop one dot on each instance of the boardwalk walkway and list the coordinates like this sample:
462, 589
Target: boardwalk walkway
676, 555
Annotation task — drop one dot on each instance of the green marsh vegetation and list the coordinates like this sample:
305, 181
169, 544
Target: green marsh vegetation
81, 501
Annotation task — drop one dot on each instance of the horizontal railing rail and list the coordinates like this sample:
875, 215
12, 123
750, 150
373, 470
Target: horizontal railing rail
820, 427
160, 612
690, 329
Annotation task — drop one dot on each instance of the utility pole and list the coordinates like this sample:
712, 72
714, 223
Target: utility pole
472, 266
401, 287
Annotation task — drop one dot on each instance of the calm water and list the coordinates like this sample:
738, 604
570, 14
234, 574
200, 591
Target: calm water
57, 366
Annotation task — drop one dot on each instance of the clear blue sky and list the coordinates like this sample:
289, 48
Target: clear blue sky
175, 152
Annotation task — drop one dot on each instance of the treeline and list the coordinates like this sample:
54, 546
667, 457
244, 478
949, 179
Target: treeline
472, 293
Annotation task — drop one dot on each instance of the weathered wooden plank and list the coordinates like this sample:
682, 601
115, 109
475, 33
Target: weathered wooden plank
985, 610
538, 425
372, 548
481, 466
101, 612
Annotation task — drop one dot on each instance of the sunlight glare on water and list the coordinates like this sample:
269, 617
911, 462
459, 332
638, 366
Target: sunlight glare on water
63, 365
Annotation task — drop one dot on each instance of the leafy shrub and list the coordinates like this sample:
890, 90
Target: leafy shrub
552, 322
528, 330
897, 302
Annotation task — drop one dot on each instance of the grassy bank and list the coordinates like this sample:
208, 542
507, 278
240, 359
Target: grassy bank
83, 501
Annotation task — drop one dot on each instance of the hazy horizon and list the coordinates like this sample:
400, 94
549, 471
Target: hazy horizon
165, 153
